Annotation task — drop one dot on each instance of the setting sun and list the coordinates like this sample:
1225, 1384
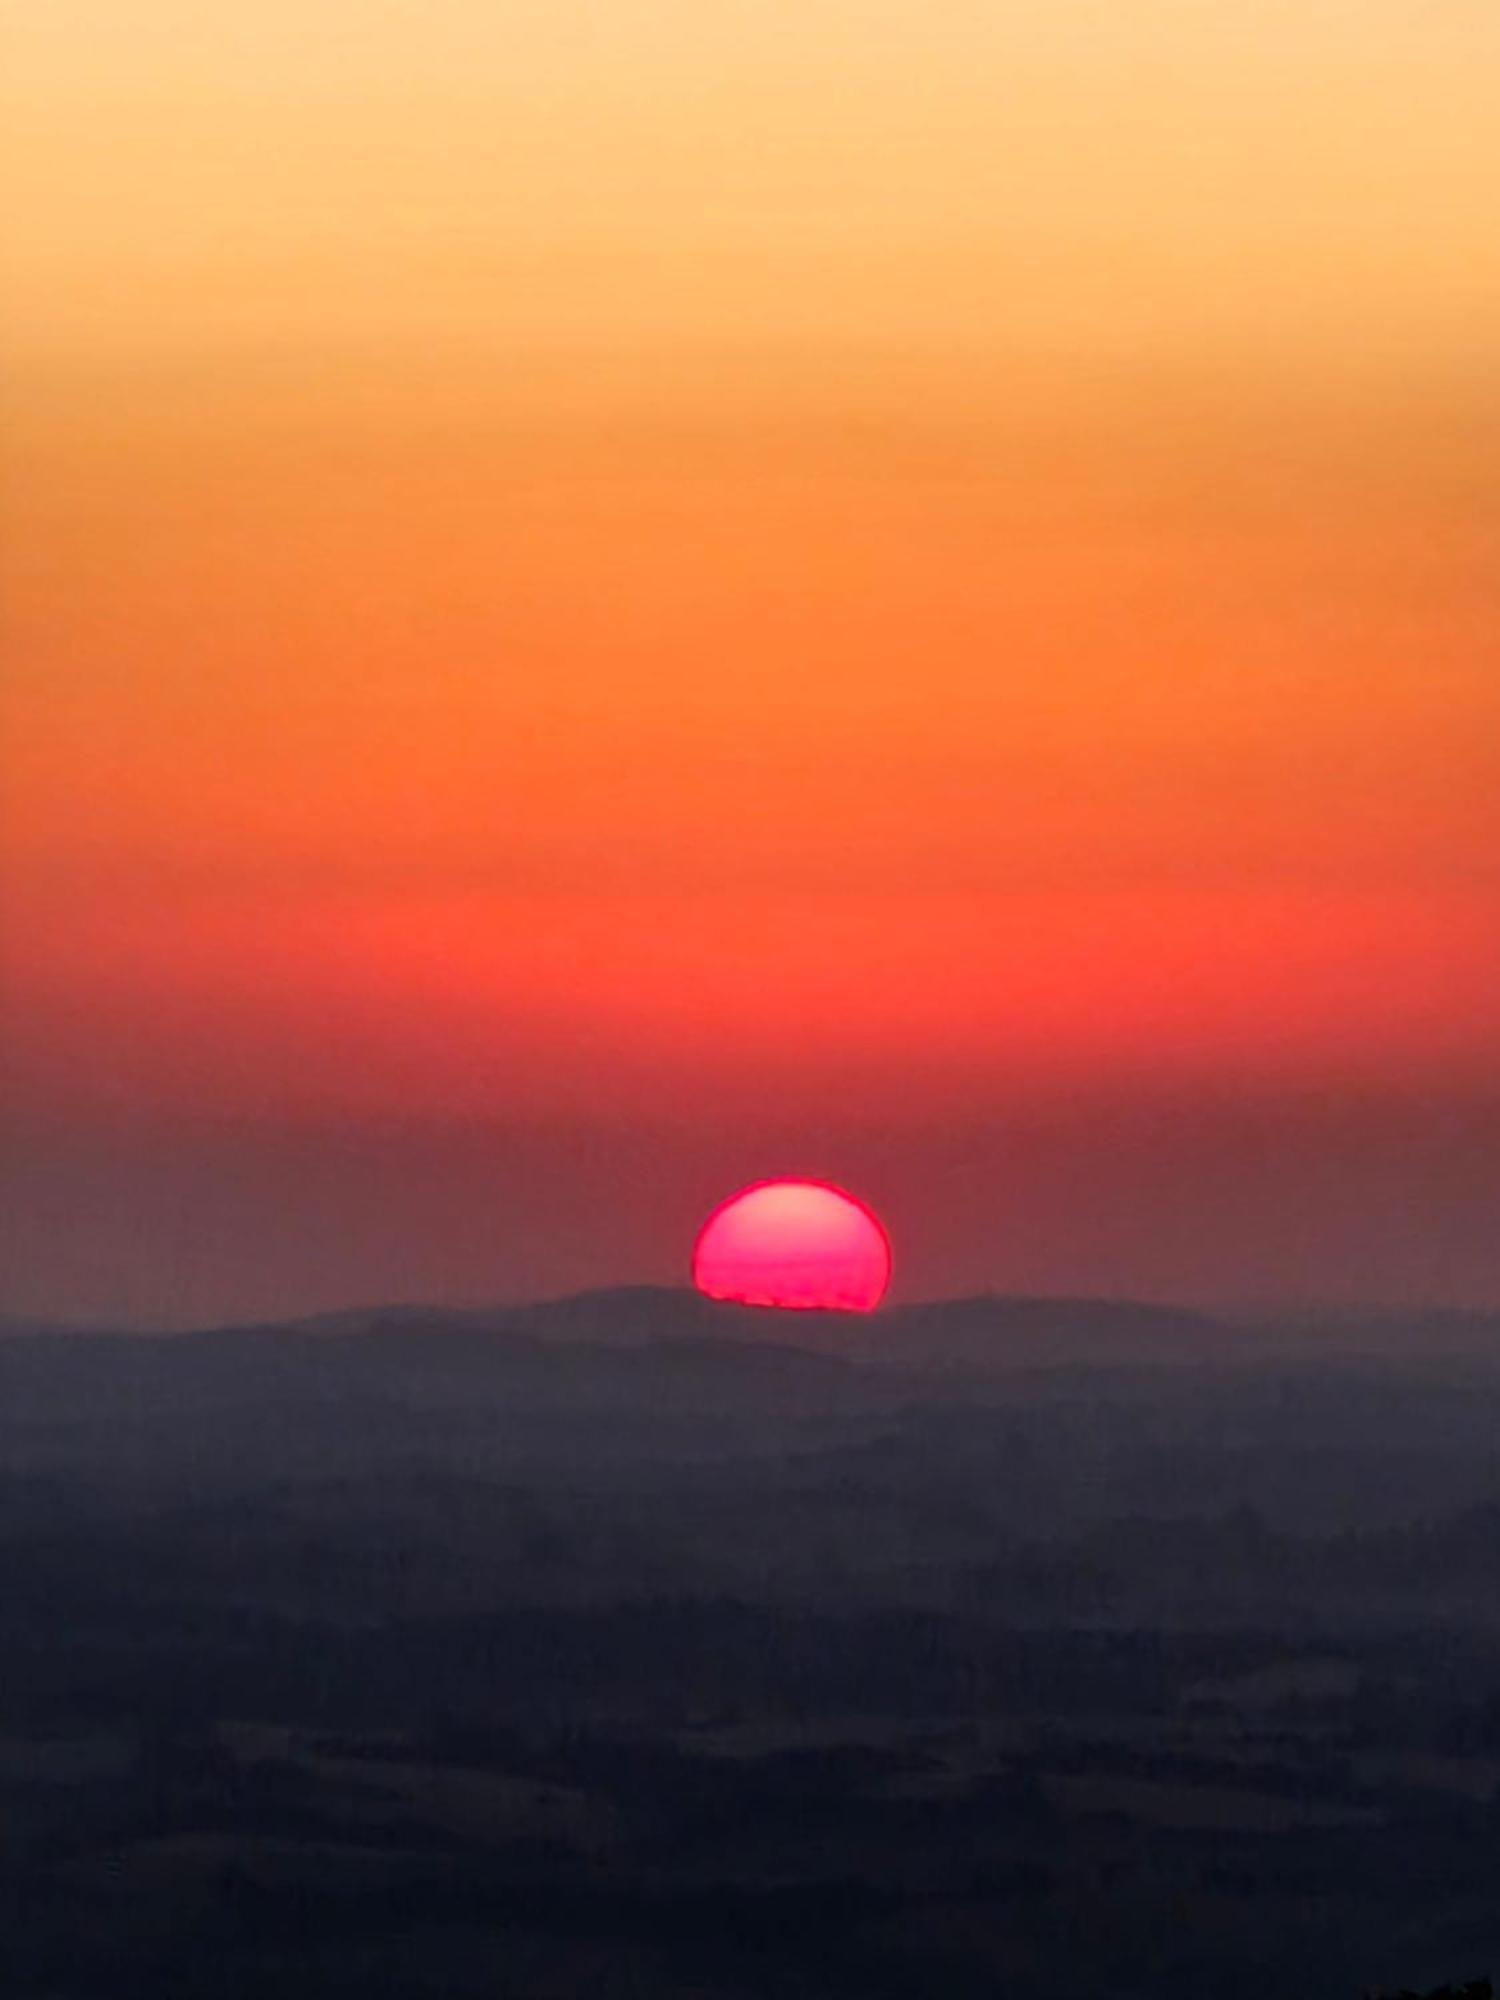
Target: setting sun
801, 1245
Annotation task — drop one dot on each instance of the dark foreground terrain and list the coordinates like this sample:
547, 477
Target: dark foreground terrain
611, 1649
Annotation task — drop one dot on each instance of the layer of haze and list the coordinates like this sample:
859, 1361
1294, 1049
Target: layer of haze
606, 600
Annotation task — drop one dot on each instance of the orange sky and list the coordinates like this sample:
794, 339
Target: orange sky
576, 565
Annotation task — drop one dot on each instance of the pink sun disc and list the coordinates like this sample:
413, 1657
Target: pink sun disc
802, 1245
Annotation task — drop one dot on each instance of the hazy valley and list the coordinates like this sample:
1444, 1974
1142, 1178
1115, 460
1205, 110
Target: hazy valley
635, 1645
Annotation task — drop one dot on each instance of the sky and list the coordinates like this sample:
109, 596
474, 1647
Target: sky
604, 600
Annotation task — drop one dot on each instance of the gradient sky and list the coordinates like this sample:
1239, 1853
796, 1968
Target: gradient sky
606, 600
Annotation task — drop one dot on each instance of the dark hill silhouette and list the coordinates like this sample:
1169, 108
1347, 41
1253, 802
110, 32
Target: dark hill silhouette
985, 1336
986, 1332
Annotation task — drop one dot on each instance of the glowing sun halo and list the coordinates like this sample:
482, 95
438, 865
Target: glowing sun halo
799, 1244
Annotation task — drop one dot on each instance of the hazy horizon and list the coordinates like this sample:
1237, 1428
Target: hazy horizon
1263, 1201
1307, 1316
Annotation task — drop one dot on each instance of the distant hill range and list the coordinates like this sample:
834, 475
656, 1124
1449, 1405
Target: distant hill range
976, 1333
696, 1437
983, 1334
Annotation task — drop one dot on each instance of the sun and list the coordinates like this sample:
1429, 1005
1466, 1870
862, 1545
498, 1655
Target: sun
801, 1245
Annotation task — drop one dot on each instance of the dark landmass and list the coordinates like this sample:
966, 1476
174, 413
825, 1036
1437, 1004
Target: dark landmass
630, 1645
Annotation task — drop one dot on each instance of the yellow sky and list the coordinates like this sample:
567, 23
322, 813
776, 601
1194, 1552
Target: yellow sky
1111, 176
